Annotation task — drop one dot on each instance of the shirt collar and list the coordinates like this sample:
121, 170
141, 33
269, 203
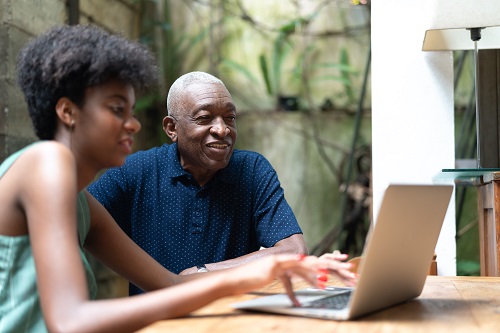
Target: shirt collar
175, 170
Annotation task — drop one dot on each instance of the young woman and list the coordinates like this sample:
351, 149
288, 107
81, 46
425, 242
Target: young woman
80, 83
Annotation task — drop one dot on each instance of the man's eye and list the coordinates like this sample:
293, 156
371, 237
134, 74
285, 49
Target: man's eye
203, 119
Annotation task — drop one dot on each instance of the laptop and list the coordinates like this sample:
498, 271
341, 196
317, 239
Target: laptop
396, 259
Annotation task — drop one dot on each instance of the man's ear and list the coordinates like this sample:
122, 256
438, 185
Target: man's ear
65, 110
169, 127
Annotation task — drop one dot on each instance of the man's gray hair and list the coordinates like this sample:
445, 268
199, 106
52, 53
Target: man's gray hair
174, 97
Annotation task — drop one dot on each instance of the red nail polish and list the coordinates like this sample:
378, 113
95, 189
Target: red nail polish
301, 257
323, 271
322, 278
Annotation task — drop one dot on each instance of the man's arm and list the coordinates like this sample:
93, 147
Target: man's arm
273, 218
293, 244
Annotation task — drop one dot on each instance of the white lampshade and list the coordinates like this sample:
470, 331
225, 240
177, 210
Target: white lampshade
460, 39
448, 21
448, 29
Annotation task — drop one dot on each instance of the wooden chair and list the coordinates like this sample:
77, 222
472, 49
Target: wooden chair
355, 264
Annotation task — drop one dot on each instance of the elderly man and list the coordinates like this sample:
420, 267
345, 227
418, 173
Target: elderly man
199, 204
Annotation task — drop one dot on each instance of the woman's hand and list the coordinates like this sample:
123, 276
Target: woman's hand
311, 269
344, 271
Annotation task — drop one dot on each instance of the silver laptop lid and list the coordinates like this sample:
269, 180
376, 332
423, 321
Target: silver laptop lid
396, 258
399, 250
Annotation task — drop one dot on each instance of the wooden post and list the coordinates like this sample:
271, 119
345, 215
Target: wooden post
489, 224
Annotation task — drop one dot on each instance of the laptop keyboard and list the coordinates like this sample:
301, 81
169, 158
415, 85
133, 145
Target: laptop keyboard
337, 302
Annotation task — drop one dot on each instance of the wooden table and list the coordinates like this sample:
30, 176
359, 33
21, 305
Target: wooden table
447, 304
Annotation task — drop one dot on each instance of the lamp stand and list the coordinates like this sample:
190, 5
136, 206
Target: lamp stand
475, 35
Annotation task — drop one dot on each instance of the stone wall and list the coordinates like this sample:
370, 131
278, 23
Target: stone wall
20, 20
310, 154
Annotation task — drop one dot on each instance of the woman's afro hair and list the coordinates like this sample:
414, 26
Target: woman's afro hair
66, 60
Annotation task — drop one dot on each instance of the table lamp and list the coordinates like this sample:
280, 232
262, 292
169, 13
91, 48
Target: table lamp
464, 25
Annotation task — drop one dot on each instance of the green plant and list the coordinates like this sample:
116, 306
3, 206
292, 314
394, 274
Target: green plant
177, 51
342, 72
304, 72
272, 70
468, 268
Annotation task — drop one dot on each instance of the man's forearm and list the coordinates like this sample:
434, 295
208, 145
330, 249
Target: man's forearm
294, 244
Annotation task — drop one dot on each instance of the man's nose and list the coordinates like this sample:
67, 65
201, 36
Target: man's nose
219, 127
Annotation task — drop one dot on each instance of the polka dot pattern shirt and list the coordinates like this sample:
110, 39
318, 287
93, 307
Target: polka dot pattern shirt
180, 224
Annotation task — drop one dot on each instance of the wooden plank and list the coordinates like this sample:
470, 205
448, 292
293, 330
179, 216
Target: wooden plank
489, 227
495, 228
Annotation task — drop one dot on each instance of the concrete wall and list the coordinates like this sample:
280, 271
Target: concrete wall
309, 176
20, 20
233, 51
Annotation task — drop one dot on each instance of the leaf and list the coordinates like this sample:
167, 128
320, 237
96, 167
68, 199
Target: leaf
344, 60
240, 68
342, 67
144, 102
333, 78
282, 47
265, 73
289, 27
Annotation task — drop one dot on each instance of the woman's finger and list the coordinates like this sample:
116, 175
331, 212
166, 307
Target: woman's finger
287, 283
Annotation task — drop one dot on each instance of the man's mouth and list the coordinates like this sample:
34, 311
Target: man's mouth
218, 145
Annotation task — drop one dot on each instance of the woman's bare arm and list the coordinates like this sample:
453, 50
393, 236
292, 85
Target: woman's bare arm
48, 195
109, 244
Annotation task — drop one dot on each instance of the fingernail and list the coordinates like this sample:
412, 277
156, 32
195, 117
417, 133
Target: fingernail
321, 285
301, 257
322, 278
323, 271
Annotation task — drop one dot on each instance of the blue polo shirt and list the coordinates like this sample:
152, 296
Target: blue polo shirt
180, 224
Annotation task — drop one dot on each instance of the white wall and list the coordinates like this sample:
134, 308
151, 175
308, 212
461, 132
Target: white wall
412, 109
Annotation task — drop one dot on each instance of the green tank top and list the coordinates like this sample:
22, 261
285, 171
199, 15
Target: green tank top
19, 300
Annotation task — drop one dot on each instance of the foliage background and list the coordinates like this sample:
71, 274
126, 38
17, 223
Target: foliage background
315, 51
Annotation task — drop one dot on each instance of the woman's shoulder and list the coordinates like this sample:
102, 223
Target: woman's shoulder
34, 153
40, 148
47, 152
47, 159
48, 146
